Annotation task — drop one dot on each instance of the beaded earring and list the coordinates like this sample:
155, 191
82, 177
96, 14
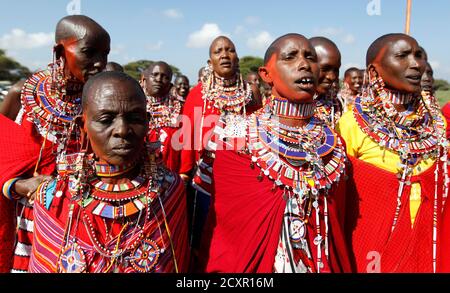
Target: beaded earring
59, 80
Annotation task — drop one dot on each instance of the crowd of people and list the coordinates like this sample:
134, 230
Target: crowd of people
284, 170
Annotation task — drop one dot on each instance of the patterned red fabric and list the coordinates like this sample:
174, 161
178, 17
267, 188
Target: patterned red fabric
371, 204
19, 150
446, 112
48, 241
243, 228
170, 152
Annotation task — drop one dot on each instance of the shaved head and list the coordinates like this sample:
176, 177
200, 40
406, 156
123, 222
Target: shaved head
321, 42
163, 64
425, 55
77, 27
275, 45
216, 40
93, 86
376, 47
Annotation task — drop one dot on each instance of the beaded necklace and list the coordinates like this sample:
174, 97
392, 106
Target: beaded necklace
107, 170
226, 95
415, 135
305, 162
328, 109
284, 109
163, 111
51, 110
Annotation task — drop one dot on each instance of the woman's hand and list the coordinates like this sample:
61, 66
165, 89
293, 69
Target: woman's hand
27, 187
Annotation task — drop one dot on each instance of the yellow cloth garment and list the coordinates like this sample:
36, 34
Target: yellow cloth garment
361, 146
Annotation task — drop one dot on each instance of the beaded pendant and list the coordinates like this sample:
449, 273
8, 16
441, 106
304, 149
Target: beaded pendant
145, 257
72, 259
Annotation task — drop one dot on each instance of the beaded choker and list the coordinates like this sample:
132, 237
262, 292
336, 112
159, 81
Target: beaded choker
163, 111
107, 170
285, 109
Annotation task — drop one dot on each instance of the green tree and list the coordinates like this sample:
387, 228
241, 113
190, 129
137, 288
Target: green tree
10, 69
250, 63
441, 85
134, 69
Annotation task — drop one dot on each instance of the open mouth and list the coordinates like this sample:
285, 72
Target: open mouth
305, 83
225, 64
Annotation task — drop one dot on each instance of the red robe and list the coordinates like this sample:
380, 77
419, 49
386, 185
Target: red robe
193, 110
243, 228
371, 205
171, 150
444, 242
19, 151
446, 112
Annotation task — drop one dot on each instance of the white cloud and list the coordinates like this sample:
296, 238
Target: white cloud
155, 47
173, 13
19, 39
204, 36
329, 31
240, 29
261, 41
252, 20
349, 39
435, 64
336, 34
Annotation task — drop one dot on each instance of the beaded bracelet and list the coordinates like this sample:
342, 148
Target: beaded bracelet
7, 192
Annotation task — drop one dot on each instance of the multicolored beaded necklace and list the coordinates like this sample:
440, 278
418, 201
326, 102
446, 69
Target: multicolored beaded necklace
164, 112
226, 95
329, 109
415, 135
305, 162
285, 109
115, 202
51, 110
107, 170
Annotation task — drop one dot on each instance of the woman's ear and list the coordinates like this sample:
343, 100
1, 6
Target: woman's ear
264, 73
372, 71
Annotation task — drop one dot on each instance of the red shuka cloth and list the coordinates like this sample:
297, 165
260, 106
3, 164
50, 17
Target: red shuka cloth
371, 204
446, 112
192, 110
243, 228
19, 151
170, 152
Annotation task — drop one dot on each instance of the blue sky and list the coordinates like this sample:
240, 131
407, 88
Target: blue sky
179, 32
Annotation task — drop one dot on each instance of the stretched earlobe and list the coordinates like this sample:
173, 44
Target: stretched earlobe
265, 75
